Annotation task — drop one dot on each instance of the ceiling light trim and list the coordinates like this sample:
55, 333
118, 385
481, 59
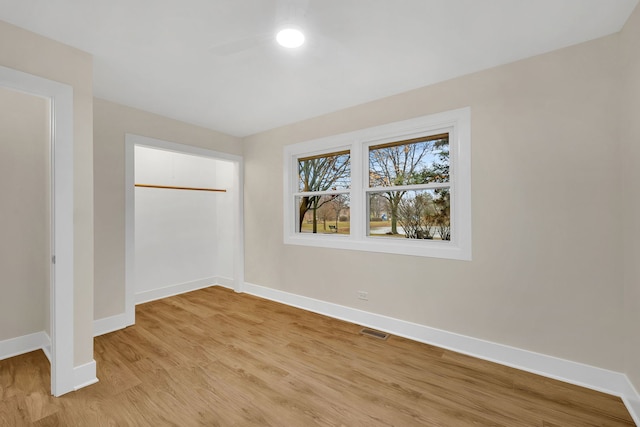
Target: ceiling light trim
290, 37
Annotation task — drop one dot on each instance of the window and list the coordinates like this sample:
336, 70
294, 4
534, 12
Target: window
408, 189
401, 188
323, 193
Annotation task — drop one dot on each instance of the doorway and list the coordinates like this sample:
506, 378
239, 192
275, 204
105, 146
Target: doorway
49, 243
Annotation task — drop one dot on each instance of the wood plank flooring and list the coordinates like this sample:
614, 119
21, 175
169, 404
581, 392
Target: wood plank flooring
216, 358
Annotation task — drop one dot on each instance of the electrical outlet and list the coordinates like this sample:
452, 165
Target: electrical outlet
363, 295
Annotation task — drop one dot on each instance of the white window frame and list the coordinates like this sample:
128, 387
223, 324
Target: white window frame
456, 122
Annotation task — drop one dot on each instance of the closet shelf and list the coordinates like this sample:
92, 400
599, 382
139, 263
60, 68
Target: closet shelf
171, 187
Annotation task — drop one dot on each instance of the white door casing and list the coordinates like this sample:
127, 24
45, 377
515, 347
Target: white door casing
60, 97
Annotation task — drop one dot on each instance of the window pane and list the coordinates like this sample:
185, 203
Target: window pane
418, 161
326, 172
328, 214
416, 214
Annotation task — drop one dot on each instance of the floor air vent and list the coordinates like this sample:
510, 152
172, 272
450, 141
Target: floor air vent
375, 334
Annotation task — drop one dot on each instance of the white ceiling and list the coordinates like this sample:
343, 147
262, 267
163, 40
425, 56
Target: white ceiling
214, 63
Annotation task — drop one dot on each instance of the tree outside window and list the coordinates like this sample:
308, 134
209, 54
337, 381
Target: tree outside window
412, 176
323, 179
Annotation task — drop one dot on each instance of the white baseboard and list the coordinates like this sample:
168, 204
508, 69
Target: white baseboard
172, 290
225, 282
46, 349
24, 344
84, 375
122, 320
599, 379
110, 324
632, 403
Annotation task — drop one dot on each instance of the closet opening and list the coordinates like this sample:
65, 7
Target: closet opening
184, 220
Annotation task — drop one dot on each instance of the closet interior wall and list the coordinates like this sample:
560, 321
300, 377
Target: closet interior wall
183, 237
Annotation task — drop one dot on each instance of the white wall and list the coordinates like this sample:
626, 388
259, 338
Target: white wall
227, 215
182, 237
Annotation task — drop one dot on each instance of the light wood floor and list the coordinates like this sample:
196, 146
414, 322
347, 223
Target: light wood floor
216, 358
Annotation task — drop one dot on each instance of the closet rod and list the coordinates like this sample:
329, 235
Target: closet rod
180, 188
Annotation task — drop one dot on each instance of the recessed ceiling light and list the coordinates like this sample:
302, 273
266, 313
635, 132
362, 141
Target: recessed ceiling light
290, 38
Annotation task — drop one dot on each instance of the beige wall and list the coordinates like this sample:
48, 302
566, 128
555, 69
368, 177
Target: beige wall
28, 52
25, 230
630, 159
111, 123
545, 273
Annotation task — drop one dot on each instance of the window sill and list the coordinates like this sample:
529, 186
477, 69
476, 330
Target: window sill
422, 248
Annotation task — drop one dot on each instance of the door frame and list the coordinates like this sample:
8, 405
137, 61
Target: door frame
61, 285
131, 141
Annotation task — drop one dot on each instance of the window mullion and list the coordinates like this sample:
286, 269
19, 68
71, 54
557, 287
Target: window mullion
357, 197
430, 186
320, 193
292, 186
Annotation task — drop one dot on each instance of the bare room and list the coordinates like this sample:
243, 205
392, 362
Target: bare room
307, 212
